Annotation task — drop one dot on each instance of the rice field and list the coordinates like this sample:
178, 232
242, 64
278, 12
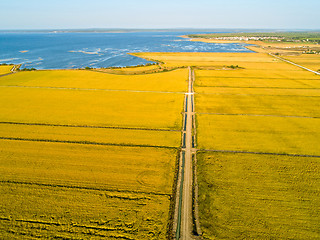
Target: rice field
88, 155
4, 69
102, 147
289, 106
206, 59
91, 134
311, 61
101, 108
258, 132
173, 81
246, 196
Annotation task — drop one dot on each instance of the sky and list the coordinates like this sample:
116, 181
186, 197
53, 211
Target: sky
75, 14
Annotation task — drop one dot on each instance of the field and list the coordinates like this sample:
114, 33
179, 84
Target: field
311, 61
103, 145
174, 81
4, 69
258, 131
101, 108
245, 196
89, 155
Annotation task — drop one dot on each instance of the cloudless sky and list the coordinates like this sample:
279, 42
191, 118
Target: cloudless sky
64, 14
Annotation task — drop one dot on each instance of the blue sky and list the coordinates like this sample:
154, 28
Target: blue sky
48, 14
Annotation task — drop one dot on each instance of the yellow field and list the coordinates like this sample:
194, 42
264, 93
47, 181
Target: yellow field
5, 69
259, 134
103, 147
96, 190
258, 91
267, 110
245, 196
311, 61
103, 136
207, 59
259, 73
173, 81
104, 167
98, 108
89, 155
301, 106
52, 212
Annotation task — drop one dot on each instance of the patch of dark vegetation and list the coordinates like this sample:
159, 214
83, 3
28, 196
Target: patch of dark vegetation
27, 69
136, 66
234, 67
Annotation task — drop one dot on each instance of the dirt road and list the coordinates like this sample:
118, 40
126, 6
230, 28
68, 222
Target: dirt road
186, 210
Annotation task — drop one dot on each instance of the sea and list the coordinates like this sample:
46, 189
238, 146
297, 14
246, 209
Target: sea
67, 50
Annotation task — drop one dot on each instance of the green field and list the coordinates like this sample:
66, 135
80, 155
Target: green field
102, 149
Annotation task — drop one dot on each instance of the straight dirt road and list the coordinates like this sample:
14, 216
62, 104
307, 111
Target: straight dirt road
186, 210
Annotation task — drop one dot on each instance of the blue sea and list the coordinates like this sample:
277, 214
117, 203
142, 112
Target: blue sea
79, 50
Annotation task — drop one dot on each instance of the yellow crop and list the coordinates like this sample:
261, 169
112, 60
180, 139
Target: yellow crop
246, 196
173, 81
258, 91
60, 176
92, 135
5, 69
105, 167
78, 189
99, 108
206, 59
311, 61
303, 106
259, 134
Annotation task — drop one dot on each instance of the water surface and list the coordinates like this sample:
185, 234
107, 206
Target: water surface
78, 50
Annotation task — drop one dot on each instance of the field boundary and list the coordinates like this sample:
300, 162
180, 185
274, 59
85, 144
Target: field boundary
261, 153
91, 89
83, 187
84, 142
271, 95
90, 126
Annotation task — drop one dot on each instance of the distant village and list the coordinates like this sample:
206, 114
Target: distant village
244, 38
255, 38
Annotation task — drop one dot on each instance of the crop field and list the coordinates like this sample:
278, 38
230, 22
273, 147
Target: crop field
246, 196
173, 81
90, 191
5, 69
258, 91
258, 132
207, 59
89, 155
298, 106
266, 134
95, 135
101, 108
311, 61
